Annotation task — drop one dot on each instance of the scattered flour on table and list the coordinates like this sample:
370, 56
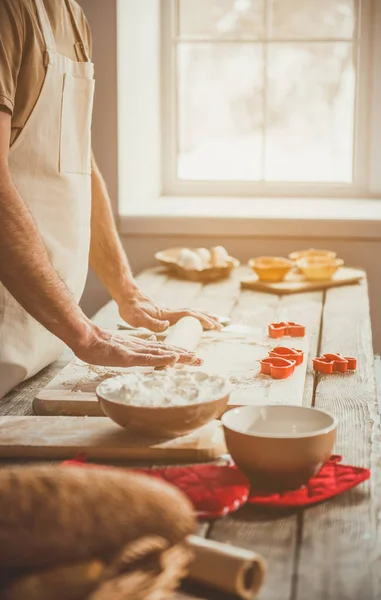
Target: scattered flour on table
176, 388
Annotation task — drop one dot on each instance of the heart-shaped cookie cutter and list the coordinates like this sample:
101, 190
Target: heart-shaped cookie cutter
334, 363
277, 368
278, 330
288, 354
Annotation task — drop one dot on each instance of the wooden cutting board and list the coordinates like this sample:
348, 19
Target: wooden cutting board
58, 438
296, 283
72, 391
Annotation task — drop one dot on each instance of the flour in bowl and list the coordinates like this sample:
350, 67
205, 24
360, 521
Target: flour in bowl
161, 388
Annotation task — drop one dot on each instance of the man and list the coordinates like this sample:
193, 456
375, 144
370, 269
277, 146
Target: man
55, 212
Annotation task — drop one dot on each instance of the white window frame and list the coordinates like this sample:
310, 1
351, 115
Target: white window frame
143, 188
172, 185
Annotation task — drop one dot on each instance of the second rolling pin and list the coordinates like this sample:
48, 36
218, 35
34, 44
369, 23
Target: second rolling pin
234, 570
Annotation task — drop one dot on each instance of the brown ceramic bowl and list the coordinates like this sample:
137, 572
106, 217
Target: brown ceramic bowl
163, 422
271, 268
279, 447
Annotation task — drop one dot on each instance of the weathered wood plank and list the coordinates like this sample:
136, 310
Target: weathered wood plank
340, 555
276, 539
306, 309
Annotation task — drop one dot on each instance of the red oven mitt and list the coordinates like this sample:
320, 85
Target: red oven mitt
216, 491
332, 479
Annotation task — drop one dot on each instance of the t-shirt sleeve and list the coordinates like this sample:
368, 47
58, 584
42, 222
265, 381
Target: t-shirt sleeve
11, 51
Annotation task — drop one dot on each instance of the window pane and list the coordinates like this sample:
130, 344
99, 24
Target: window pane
311, 98
220, 111
221, 18
306, 19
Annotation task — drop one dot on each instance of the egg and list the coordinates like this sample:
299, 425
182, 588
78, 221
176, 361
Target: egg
189, 259
205, 256
220, 257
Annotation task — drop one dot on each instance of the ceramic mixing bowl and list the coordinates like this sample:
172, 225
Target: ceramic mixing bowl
279, 447
163, 422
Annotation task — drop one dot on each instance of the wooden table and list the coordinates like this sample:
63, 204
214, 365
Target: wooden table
332, 551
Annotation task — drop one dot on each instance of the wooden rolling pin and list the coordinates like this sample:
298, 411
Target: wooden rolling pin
185, 334
230, 569
221, 566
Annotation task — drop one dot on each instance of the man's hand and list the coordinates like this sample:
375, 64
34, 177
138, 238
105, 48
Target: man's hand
140, 311
103, 348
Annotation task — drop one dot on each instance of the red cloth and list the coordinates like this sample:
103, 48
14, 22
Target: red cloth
333, 479
216, 491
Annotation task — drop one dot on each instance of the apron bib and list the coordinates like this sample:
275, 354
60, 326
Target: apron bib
50, 165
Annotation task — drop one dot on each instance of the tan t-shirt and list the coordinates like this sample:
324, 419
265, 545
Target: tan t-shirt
22, 69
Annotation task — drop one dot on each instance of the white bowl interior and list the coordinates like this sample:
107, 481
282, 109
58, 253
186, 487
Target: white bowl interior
279, 421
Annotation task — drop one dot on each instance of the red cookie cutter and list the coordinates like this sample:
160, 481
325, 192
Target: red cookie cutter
277, 368
278, 330
334, 363
288, 354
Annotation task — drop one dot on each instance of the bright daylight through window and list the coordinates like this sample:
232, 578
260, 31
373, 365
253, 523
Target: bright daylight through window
264, 91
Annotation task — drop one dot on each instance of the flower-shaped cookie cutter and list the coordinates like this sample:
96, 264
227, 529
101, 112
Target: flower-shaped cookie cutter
277, 368
278, 330
288, 354
334, 363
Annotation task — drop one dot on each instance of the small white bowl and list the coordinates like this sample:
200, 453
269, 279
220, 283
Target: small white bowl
279, 447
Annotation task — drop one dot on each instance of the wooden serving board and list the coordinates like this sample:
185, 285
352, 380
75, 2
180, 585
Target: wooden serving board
296, 283
57, 438
72, 391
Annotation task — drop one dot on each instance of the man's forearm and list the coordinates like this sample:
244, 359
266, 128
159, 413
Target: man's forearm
27, 273
107, 256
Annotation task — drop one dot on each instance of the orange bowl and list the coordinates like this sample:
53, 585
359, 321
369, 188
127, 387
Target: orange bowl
319, 268
271, 268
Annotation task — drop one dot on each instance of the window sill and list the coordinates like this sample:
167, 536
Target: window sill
247, 217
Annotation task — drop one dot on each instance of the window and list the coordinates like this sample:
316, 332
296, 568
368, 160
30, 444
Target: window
266, 97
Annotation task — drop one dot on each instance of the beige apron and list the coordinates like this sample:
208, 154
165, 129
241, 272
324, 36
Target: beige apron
50, 164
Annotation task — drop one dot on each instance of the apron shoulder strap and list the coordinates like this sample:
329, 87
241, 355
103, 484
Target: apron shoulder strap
80, 42
50, 43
